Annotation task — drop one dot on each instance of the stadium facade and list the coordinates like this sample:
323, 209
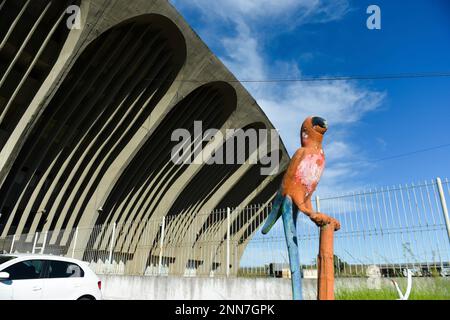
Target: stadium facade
87, 114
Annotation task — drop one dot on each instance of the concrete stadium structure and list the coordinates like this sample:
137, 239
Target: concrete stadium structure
86, 117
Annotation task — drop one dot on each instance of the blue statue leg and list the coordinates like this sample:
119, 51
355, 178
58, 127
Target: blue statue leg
275, 214
289, 213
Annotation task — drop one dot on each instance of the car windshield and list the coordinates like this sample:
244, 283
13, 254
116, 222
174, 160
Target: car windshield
4, 259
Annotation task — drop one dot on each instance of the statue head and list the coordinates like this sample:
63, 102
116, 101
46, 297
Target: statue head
312, 131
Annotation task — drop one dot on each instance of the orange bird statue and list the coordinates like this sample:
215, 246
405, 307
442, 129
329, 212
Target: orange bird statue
299, 183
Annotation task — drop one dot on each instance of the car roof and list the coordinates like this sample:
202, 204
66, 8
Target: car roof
41, 256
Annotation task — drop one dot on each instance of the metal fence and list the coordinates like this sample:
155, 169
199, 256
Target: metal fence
384, 232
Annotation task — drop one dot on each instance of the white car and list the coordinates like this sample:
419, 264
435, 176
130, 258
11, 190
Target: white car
46, 277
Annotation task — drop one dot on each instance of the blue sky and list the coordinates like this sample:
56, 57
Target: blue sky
369, 120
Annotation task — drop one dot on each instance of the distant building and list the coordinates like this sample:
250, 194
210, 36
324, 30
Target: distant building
310, 273
279, 270
283, 270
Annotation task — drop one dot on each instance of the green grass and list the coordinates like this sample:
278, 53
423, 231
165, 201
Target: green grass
438, 290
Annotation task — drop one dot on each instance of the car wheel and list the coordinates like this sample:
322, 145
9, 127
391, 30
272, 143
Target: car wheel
86, 298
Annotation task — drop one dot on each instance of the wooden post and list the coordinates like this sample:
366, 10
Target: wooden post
325, 263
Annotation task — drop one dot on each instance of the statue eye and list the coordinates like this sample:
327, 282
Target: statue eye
321, 122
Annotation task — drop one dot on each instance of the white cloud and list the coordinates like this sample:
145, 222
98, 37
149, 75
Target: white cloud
242, 55
341, 103
292, 12
338, 150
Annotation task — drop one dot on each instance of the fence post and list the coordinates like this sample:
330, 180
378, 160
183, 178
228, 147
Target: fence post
111, 245
228, 241
318, 210
45, 240
235, 263
36, 235
75, 238
12, 244
444, 205
163, 227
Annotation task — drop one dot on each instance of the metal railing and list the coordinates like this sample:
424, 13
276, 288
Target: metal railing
384, 232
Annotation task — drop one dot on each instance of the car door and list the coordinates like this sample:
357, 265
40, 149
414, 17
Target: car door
62, 281
6, 291
25, 279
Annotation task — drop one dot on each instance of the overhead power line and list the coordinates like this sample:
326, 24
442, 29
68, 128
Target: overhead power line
407, 154
335, 78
